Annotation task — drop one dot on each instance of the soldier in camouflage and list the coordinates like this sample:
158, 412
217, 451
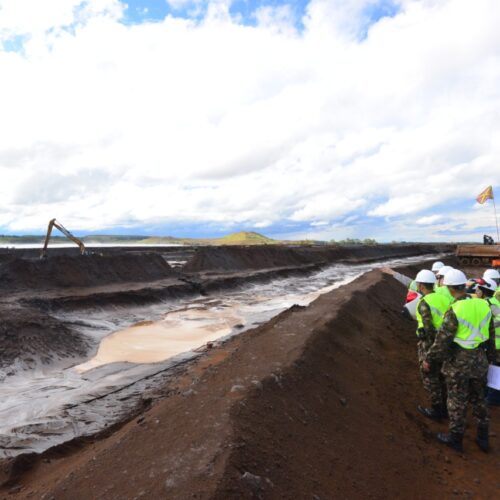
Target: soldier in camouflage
464, 344
432, 380
430, 312
486, 291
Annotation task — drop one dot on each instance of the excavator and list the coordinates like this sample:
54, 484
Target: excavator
55, 224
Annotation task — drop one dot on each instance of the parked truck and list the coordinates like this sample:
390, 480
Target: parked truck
478, 255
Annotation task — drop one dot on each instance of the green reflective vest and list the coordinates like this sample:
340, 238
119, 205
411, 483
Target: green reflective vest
495, 311
443, 290
438, 305
474, 317
413, 286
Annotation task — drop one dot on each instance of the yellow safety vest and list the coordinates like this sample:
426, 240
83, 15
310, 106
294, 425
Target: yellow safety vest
443, 290
495, 311
474, 318
438, 305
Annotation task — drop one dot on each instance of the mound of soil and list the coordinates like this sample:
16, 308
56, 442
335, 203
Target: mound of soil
83, 270
318, 403
238, 258
30, 338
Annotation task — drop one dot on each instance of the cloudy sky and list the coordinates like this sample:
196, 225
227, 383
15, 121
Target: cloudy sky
323, 118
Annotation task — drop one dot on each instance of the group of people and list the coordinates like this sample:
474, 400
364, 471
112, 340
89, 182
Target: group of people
458, 337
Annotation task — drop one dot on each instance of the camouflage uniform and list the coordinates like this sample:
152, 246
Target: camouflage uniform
465, 371
432, 380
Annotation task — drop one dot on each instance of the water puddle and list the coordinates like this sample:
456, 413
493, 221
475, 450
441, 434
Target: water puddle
154, 341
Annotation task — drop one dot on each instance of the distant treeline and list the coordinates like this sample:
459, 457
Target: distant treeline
355, 241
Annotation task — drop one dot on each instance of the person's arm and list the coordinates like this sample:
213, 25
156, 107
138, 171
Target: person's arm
425, 312
491, 344
403, 279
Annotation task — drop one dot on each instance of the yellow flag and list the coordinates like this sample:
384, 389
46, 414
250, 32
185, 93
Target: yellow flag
487, 194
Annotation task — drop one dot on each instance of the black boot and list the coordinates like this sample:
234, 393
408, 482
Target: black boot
482, 439
444, 411
451, 439
434, 413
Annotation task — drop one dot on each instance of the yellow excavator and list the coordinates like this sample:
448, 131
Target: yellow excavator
55, 224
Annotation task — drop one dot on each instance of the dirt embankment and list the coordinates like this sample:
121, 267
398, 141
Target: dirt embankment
31, 339
318, 403
83, 271
238, 258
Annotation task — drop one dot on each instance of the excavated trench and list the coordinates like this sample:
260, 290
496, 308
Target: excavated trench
134, 351
319, 402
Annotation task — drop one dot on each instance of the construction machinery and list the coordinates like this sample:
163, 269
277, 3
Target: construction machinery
55, 224
487, 254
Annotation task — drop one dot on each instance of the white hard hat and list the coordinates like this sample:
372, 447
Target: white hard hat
437, 265
444, 270
490, 284
454, 277
491, 273
425, 276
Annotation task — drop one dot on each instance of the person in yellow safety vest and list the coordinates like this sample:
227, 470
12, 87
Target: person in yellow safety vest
464, 344
435, 269
487, 292
430, 312
440, 288
494, 275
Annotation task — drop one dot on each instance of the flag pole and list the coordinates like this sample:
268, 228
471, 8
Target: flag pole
496, 217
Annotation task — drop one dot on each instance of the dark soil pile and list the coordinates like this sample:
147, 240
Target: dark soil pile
83, 270
30, 338
238, 258
319, 403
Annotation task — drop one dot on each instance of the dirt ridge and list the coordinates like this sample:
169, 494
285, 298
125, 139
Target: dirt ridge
63, 271
237, 258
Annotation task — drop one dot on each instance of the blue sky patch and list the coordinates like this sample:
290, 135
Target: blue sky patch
373, 13
15, 43
139, 11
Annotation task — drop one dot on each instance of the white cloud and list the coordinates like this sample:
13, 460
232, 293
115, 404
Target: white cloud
35, 17
263, 224
431, 219
104, 124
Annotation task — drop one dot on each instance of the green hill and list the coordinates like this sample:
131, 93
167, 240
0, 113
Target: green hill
240, 238
244, 238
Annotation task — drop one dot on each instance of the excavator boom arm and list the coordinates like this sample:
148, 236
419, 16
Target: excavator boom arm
53, 223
